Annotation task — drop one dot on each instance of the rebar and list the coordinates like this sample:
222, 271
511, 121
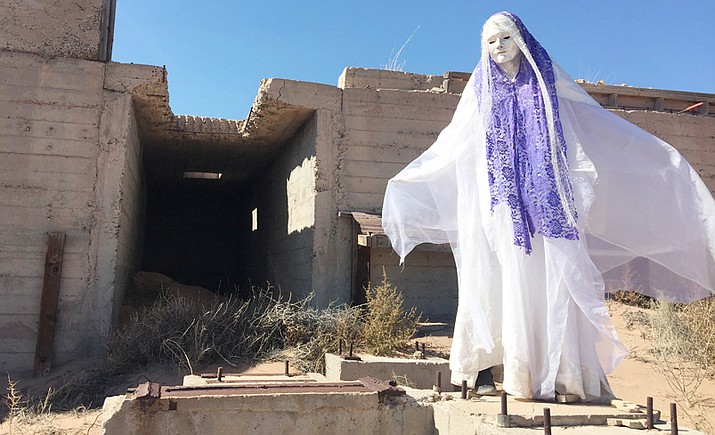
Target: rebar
547, 421
649, 413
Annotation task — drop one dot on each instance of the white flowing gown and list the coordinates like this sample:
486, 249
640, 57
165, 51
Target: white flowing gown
543, 315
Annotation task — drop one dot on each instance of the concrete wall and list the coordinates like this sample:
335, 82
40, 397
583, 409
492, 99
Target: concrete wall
69, 158
284, 237
80, 29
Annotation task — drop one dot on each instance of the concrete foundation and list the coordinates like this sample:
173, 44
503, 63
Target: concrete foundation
210, 407
417, 373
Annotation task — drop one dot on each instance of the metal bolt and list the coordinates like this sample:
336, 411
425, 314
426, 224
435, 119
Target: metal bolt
219, 374
649, 413
503, 403
464, 389
673, 419
439, 379
287, 368
547, 421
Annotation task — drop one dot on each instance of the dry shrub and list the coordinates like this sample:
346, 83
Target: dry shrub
179, 331
681, 354
700, 318
631, 298
388, 326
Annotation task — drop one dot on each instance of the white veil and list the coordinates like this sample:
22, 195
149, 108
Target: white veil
637, 198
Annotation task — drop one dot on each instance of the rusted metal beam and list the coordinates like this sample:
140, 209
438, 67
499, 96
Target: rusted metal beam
148, 390
388, 388
48, 304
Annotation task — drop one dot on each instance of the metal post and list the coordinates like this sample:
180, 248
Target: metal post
503, 403
439, 379
464, 389
219, 374
423, 350
340, 347
673, 419
649, 413
417, 346
547, 421
351, 349
287, 368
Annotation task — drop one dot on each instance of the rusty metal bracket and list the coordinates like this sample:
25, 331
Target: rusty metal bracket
148, 391
383, 388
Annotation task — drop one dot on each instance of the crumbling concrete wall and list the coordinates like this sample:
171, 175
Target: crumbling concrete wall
70, 163
80, 29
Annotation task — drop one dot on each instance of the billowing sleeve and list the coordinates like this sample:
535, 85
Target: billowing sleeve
420, 204
651, 225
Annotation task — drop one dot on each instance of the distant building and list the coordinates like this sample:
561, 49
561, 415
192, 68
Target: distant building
291, 195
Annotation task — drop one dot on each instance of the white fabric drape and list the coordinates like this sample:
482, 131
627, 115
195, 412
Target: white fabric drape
543, 315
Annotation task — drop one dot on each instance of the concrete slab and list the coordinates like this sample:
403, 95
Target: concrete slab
275, 406
415, 373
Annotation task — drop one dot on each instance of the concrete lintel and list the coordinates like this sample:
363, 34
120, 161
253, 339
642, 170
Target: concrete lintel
309, 95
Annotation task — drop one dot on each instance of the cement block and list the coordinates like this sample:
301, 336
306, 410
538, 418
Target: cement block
415, 373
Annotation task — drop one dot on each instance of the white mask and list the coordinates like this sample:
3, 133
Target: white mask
501, 45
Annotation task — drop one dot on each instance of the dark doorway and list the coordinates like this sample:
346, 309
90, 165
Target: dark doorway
193, 232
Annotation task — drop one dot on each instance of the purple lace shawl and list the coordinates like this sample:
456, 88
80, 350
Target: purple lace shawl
519, 163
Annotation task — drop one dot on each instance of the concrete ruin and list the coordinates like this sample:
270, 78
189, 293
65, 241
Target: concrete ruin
90, 148
270, 403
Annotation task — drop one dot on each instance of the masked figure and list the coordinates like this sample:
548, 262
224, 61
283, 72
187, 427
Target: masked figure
542, 194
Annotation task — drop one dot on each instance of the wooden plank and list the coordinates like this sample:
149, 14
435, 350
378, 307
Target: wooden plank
48, 305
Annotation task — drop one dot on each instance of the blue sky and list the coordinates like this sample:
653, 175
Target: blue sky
217, 51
